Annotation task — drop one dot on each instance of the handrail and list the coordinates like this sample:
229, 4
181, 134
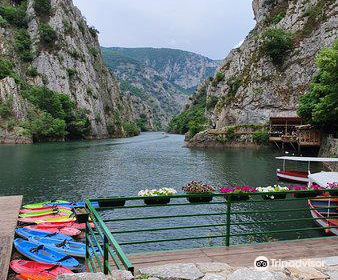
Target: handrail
229, 217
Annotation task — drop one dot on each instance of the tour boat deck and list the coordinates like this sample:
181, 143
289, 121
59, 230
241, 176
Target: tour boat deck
9, 211
242, 255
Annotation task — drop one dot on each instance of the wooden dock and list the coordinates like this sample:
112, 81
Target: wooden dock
242, 255
9, 211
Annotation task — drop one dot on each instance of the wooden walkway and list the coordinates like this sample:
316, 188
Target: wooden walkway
242, 255
9, 211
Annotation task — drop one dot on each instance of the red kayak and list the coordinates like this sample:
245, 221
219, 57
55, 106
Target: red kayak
70, 231
65, 224
35, 210
31, 220
38, 269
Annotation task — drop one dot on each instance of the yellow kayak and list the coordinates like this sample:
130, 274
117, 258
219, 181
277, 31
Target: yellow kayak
56, 220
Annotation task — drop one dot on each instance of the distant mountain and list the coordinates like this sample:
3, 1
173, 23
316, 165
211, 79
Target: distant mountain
183, 68
162, 79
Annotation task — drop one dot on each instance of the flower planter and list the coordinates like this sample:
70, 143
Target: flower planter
239, 197
199, 199
113, 203
81, 215
156, 200
275, 196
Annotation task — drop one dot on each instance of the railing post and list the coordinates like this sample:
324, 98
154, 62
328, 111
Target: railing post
87, 242
105, 255
228, 221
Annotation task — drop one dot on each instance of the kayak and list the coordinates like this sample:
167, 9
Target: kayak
43, 254
64, 224
33, 277
33, 220
74, 204
44, 208
56, 219
45, 213
42, 204
29, 233
71, 248
36, 268
64, 230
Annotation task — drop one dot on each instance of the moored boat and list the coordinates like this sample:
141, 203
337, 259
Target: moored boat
295, 176
28, 234
324, 210
43, 204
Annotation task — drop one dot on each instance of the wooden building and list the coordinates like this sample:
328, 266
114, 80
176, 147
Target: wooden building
292, 130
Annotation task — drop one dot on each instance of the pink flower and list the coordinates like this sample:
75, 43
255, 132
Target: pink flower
333, 185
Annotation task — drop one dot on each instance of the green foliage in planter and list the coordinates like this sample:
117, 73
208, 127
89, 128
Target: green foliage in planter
15, 16
261, 137
32, 71
130, 129
211, 102
23, 45
218, 78
42, 8
48, 35
277, 44
320, 105
6, 68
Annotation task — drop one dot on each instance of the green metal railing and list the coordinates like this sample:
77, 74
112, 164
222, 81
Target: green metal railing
109, 254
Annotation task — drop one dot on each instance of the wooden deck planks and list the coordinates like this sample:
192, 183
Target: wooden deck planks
242, 255
9, 211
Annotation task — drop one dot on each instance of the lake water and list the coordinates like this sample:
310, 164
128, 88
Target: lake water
90, 169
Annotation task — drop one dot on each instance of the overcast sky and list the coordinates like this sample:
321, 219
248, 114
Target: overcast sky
208, 27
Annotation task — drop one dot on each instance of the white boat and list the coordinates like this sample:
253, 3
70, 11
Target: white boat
324, 216
299, 176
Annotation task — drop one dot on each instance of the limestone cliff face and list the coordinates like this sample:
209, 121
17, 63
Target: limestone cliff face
73, 66
253, 87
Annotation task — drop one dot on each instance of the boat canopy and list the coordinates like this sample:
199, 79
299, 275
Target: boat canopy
308, 159
323, 178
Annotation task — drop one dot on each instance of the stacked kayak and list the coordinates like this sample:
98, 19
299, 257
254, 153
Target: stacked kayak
48, 240
70, 231
38, 268
41, 253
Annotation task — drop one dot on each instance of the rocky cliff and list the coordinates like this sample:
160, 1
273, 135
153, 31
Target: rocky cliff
48, 43
258, 80
249, 86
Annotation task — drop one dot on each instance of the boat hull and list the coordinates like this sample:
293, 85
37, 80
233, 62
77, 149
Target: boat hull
324, 222
293, 176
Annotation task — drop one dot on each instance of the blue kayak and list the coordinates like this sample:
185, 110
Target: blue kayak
75, 249
73, 204
44, 254
30, 233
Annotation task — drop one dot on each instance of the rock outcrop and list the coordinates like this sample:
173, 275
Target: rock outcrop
251, 88
72, 65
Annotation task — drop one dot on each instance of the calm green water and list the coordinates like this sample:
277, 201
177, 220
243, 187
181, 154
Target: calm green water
78, 170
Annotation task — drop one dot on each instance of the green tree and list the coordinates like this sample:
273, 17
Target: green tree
320, 105
6, 68
277, 44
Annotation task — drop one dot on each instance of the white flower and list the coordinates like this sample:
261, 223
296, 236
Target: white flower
157, 192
